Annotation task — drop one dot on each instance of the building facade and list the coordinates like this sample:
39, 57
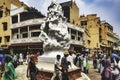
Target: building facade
20, 28
25, 33
116, 43
71, 11
108, 37
90, 24
92, 34
5, 7
97, 35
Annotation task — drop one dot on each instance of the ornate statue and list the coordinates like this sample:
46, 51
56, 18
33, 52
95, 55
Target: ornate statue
54, 31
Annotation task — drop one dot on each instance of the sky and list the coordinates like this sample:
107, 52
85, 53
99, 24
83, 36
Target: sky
107, 10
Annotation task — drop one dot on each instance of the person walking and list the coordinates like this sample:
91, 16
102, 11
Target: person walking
95, 60
106, 73
27, 58
84, 63
2, 61
65, 65
9, 72
21, 58
57, 69
87, 64
15, 60
32, 69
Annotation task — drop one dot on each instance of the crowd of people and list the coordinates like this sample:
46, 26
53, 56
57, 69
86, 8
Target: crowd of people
9, 62
107, 66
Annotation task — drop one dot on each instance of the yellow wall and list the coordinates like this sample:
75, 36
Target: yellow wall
107, 37
92, 29
74, 13
104, 35
2, 32
6, 18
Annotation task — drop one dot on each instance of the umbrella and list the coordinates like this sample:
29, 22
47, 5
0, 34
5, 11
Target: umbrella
115, 56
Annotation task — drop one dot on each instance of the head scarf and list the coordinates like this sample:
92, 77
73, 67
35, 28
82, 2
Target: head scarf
8, 58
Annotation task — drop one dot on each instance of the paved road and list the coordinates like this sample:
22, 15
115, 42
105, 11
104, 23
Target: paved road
21, 72
93, 73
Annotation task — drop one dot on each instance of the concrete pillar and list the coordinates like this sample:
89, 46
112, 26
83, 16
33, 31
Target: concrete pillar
18, 18
28, 32
77, 35
19, 33
69, 31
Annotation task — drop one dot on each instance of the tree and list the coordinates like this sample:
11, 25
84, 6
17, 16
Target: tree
116, 44
34, 10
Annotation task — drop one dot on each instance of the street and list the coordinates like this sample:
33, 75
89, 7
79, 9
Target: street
93, 73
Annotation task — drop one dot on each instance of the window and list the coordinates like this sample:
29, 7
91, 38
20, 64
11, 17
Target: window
79, 38
1, 14
73, 33
79, 34
7, 38
88, 41
69, 30
0, 39
4, 26
24, 35
35, 27
100, 38
17, 36
83, 23
14, 19
73, 37
35, 34
24, 32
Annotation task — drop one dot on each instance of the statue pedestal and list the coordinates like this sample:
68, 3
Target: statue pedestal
46, 66
47, 69
50, 56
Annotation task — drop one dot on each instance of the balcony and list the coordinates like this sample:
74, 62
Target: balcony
27, 23
76, 42
26, 40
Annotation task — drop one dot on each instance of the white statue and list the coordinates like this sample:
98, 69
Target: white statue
54, 31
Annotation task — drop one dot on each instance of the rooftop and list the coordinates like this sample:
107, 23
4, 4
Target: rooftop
68, 3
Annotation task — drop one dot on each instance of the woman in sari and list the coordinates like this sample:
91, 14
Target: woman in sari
9, 72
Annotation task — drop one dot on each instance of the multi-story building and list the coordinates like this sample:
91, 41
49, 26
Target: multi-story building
108, 37
25, 32
92, 31
71, 11
5, 7
116, 42
90, 24
97, 35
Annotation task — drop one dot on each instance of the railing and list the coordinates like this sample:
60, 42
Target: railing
26, 40
27, 23
76, 42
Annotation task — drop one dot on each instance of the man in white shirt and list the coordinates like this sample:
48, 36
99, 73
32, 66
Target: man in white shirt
57, 68
21, 58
